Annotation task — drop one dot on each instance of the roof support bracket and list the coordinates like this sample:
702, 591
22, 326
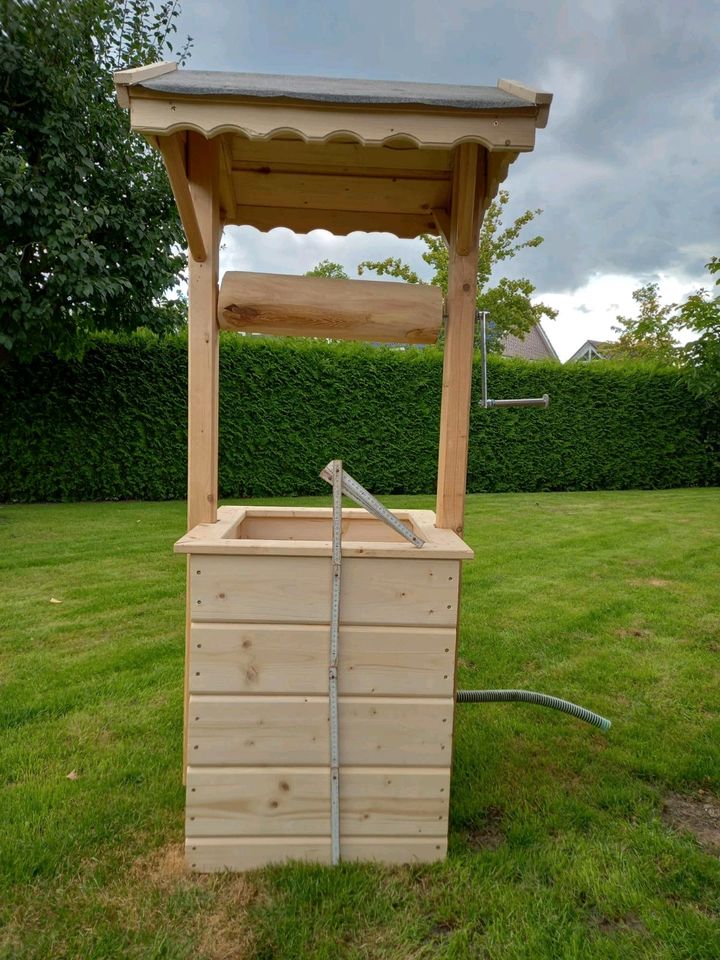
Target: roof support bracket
173, 153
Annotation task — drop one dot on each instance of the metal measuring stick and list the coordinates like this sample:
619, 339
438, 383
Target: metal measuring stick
357, 492
488, 404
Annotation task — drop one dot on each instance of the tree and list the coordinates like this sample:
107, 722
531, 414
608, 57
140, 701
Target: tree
89, 235
649, 335
326, 268
701, 314
509, 302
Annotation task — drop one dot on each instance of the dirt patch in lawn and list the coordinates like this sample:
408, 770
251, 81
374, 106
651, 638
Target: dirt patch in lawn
652, 582
699, 815
633, 632
488, 833
609, 926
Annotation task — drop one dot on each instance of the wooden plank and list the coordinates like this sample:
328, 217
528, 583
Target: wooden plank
442, 222
203, 357
203, 336
339, 222
468, 194
283, 731
173, 153
228, 199
162, 114
463, 226
140, 74
266, 589
124, 79
341, 192
260, 526
214, 854
540, 99
373, 310
293, 659
351, 159
295, 801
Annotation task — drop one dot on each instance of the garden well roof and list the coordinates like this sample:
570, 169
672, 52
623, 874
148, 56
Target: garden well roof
343, 155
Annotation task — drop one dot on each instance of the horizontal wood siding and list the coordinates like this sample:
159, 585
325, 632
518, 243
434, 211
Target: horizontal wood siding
258, 731
258, 785
295, 801
297, 590
212, 854
293, 659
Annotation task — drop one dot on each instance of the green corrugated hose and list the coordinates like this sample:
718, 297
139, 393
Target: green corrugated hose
528, 696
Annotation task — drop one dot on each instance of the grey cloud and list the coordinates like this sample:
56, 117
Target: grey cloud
626, 170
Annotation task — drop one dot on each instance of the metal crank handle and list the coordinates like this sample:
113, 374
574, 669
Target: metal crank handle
543, 401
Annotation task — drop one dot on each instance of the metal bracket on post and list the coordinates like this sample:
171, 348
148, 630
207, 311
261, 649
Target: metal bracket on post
486, 403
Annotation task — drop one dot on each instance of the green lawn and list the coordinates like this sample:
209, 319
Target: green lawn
565, 842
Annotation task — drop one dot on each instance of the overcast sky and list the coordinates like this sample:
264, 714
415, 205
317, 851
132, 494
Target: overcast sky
626, 170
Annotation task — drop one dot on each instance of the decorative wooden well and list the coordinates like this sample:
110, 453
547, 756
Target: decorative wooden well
309, 153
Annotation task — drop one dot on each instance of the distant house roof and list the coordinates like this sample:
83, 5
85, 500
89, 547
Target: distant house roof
591, 350
535, 345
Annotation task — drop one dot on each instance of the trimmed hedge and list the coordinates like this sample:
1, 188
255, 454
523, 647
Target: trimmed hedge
113, 425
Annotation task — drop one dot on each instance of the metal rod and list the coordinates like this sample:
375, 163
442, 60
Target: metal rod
337, 472
483, 341
543, 401
357, 492
486, 403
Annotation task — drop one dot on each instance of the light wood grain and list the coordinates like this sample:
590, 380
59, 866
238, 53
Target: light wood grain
350, 159
293, 659
203, 359
229, 535
295, 801
540, 99
379, 126
267, 589
173, 153
203, 336
468, 194
338, 222
343, 192
315, 306
214, 854
280, 731
124, 79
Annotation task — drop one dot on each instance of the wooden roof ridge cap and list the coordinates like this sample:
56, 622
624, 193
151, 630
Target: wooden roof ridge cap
541, 99
134, 75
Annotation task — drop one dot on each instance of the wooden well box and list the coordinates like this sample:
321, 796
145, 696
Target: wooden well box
308, 153
258, 775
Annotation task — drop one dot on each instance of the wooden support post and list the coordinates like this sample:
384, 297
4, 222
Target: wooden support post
468, 193
203, 335
173, 154
203, 356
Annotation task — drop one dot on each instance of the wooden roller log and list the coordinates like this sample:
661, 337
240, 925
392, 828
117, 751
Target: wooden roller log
370, 310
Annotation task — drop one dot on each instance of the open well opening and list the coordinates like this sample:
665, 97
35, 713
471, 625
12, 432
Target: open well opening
259, 525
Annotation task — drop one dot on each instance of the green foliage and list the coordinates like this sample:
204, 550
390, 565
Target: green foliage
510, 301
113, 426
649, 335
89, 233
701, 314
328, 269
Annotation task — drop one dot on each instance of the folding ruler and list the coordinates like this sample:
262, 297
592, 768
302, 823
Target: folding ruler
343, 483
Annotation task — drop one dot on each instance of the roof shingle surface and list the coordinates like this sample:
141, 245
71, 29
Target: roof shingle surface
213, 83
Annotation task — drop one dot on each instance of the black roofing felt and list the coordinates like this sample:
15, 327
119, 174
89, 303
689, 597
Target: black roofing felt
214, 83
